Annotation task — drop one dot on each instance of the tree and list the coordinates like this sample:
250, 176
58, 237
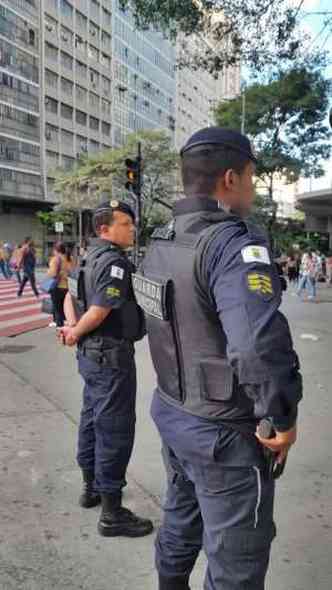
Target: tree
286, 121
254, 32
106, 171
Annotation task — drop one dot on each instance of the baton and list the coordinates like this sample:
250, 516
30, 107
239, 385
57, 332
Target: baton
266, 430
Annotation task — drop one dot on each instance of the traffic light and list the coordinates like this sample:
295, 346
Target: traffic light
133, 175
330, 118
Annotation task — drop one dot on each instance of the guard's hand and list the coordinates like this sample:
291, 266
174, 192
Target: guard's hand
280, 444
67, 336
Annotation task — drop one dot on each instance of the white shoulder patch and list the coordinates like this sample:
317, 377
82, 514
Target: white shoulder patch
256, 254
117, 272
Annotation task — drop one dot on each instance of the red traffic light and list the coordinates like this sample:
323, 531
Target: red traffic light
133, 174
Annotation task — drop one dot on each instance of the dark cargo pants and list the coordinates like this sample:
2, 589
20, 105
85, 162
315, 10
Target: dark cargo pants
107, 423
216, 504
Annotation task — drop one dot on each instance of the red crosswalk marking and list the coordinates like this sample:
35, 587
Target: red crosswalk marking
20, 314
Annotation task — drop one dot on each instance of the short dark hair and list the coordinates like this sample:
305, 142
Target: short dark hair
201, 168
105, 217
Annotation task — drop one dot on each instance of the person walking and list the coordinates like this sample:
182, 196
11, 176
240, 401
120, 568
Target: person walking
329, 269
309, 270
60, 265
8, 250
3, 262
224, 360
111, 321
292, 269
27, 263
14, 262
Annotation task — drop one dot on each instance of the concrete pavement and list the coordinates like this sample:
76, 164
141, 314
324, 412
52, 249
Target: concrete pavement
48, 541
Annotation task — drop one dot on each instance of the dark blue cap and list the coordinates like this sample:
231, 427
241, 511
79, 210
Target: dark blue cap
218, 136
115, 205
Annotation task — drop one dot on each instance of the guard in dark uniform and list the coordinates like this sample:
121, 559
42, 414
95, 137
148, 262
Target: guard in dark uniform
224, 360
111, 321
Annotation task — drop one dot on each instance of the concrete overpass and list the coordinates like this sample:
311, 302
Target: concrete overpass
317, 206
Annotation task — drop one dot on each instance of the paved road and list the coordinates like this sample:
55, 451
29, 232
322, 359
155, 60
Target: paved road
20, 315
47, 541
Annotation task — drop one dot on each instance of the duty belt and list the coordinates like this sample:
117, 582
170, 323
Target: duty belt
116, 356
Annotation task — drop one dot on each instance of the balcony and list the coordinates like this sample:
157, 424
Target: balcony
20, 130
24, 8
24, 190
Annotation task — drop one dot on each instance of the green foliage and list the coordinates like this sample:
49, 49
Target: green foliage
255, 32
49, 218
286, 121
106, 171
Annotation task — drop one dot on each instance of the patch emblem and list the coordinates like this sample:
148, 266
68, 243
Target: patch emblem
256, 254
114, 204
260, 283
113, 292
117, 272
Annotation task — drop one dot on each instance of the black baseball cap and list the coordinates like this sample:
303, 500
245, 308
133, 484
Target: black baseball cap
115, 205
218, 136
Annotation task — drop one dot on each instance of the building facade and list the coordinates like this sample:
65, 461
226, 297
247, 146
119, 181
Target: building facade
21, 179
144, 78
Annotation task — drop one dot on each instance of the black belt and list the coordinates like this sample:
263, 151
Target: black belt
116, 356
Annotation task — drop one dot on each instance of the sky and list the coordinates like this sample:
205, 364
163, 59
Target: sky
322, 38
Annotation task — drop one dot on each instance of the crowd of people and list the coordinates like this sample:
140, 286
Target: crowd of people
305, 269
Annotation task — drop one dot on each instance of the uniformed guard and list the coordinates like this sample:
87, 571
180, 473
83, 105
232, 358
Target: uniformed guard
105, 321
224, 360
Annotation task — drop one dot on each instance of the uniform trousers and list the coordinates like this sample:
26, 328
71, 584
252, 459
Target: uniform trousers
219, 498
107, 423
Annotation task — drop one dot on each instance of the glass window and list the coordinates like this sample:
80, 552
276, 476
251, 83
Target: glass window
106, 83
67, 138
93, 100
51, 25
66, 112
67, 162
94, 124
66, 37
94, 9
80, 44
66, 9
81, 69
81, 94
94, 146
93, 53
51, 53
106, 107
66, 61
51, 105
106, 129
94, 31
107, 19
105, 61
81, 22
81, 118
51, 79
67, 87
94, 78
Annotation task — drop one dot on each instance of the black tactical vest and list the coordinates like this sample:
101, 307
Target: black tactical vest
123, 324
187, 342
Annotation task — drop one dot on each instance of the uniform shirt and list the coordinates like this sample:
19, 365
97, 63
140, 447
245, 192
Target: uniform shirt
245, 287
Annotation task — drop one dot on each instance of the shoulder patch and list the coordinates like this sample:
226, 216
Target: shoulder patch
256, 254
117, 272
260, 283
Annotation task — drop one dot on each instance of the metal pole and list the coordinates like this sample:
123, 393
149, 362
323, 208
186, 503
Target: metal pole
243, 118
138, 203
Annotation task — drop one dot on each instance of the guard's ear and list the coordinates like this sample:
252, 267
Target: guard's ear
229, 178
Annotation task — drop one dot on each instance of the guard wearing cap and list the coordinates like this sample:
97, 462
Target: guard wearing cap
224, 360
105, 321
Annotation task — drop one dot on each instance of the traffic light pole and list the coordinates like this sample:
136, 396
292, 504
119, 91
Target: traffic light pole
138, 203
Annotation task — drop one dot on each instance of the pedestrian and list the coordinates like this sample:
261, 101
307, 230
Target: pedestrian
14, 262
307, 282
3, 262
105, 334
291, 269
224, 360
329, 268
8, 250
60, 265
27, 263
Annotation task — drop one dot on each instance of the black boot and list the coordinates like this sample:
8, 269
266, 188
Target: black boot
176, 583
116, 521
89, 497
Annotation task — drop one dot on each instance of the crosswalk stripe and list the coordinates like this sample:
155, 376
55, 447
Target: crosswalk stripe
20, 314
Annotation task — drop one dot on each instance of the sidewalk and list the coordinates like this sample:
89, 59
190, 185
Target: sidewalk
48, 542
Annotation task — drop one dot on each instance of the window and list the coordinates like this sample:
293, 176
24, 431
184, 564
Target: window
81, 22
106, 41
67, 139
94, 100
82, 144
66, 87
94, 31
66, 9
51, 53
51, 79
81, 69
106, 86
107, 19
80, 44
106, 107
66, 61
81, 94
94, 78
93, 53
105, 61
66, 112
66, 37
51, 105
106, 129
94, 9
81, 118
68, 163
32, 37
94, 124
51, 25
51, 133
52, 159
94, 146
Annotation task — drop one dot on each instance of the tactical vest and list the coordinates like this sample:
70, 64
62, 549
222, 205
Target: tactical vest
124, 324
187, 341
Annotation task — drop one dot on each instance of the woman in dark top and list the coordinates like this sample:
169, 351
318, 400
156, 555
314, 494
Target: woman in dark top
28, 264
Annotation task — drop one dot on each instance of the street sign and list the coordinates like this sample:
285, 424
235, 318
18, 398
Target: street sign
59, 227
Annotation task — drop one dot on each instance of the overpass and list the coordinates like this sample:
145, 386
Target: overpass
317, 206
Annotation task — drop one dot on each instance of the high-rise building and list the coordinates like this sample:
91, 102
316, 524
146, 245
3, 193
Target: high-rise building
198, 91
21, 182
144, 78
76, 80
